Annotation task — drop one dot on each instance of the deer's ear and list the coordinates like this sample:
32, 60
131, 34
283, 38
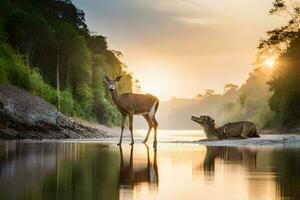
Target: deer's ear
118, 78
106, 78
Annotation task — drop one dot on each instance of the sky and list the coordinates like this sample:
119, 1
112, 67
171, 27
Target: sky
180, 48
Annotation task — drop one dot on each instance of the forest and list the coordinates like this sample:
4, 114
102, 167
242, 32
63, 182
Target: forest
46, 48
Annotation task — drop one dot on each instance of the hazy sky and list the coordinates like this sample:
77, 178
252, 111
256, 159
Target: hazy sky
182, 47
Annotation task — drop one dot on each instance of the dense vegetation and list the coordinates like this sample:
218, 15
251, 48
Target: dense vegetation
284, 44
47, 49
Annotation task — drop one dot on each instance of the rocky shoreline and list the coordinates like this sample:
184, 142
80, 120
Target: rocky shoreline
25, 116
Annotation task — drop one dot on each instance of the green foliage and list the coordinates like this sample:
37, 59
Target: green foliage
12, 68
40, 88
285, 79
279, 39
285, 84
38, 36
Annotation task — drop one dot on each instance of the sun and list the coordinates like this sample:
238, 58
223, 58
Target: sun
269, 62
156, 78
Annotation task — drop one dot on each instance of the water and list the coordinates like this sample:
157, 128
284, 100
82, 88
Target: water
101, 170
163, 135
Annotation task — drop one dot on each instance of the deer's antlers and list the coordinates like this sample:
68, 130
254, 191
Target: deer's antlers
118, 76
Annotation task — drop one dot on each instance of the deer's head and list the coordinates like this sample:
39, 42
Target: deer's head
112, 83
204, 120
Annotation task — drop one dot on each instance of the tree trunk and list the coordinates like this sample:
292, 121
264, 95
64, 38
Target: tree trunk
68, 74
27, 61
57, 80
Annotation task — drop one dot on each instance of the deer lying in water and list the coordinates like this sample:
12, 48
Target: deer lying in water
130, 104
242, 129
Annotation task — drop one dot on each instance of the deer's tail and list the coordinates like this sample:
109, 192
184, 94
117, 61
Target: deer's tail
153, 109
156, 105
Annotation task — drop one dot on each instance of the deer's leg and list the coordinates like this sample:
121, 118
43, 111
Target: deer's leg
148, 162
150, 125
122, 159
244, 133
155, 125
155, 166
131, 128
122, 128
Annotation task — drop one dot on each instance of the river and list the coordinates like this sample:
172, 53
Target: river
93, 169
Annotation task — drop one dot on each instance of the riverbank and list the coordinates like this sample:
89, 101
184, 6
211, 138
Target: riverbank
288, 140
26, 116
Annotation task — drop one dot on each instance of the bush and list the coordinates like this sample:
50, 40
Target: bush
67, 102
12, 67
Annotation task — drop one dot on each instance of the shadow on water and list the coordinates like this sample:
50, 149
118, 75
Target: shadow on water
87, 170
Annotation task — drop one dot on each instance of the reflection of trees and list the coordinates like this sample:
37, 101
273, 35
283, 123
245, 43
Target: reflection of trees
59, 171
286, 164
131, 174
233, 155
92, 175
70, 171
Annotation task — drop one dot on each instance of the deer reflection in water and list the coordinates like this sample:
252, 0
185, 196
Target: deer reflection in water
230, 155
132, 173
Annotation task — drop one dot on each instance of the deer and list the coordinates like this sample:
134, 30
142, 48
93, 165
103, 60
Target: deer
130, 104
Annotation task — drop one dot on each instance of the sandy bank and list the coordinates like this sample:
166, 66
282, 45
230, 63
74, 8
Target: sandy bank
264, 140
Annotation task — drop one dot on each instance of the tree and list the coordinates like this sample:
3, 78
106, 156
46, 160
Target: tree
285, 43
230, 87
199, 96
28, 31
285, 85
209, 92
279, 39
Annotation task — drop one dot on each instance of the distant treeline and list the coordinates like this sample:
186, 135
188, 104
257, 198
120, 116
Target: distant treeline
247, 102
46, 45
269, 97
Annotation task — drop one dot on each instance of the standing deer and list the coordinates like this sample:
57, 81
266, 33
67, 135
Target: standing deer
130, 104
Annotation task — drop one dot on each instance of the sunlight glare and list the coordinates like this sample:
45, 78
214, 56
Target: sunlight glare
157, 80
269, 62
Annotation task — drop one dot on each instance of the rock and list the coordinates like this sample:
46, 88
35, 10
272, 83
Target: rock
25, 116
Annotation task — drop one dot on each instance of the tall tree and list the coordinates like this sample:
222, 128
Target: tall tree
28, 31
284, 43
